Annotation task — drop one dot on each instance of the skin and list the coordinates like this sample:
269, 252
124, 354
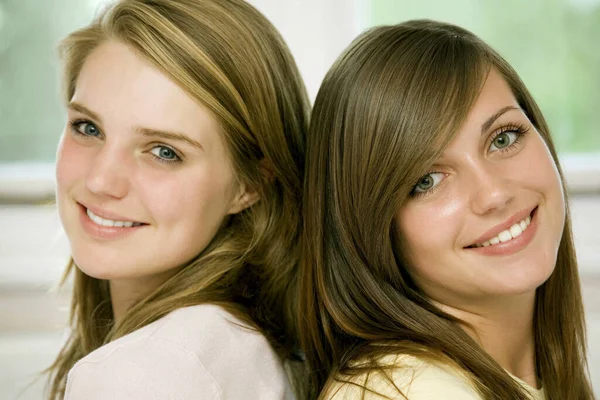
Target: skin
478, 185
105, 163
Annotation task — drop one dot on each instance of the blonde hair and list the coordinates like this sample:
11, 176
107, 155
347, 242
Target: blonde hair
230, 58
384, 113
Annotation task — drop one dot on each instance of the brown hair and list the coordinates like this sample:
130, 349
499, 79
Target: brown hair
230, 58
384, 113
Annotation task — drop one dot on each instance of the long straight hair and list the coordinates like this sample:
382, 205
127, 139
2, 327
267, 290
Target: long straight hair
230, 58
384, 113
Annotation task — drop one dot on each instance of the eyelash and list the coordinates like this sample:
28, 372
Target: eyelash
75, 123
74, 128
517, 128
415, 194
164, 160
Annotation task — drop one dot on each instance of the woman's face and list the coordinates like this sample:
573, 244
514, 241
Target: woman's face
488, 219
143, 176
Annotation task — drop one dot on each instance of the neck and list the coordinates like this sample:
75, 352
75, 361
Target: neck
504, 328
126, 293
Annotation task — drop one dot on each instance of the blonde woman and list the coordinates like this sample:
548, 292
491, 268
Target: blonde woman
437, 234
178, 182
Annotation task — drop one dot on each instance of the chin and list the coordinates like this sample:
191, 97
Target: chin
98, 267
516, 290
520, 285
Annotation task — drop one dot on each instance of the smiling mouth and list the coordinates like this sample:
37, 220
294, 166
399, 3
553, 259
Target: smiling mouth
507, 235
112, 223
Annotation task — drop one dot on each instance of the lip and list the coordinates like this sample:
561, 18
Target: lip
514, 245
521, 215
105, 232
107, 214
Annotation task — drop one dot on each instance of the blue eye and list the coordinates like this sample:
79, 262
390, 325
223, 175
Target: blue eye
166, 154
86, 128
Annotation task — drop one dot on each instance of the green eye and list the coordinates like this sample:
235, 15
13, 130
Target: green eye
503, 140
425, 183
428, 182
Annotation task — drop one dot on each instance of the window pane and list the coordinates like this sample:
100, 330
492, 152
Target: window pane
553, 44
31, 111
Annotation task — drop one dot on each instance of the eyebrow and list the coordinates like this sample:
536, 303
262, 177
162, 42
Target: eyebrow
486, 125
84, 110
148, 132
169, 135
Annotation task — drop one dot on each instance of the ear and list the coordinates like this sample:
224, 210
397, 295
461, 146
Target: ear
244, 198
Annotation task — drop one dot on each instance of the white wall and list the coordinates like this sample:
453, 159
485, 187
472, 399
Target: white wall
316, 31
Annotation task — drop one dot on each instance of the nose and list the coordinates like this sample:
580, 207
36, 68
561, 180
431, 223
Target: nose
107, 174
490, 189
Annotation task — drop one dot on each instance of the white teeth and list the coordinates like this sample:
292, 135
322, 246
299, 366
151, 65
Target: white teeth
108, 222
523, 225
504, 236
514, 231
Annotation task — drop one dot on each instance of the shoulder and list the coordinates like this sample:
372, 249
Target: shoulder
194, 351
405, 377
143, 368
224, 344
201, 328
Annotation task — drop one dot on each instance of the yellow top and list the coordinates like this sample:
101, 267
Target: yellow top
417, 379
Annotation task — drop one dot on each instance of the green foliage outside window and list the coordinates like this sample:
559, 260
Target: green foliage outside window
32, 115
553, 44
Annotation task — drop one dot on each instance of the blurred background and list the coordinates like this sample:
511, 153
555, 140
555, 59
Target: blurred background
553, 44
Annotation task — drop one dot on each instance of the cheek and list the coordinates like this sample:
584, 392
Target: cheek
550, 177
539, 172
192, 199
550, 185
430, 230
71, 160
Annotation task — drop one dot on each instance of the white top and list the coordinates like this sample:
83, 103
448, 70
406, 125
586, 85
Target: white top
199, 352
417, 379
